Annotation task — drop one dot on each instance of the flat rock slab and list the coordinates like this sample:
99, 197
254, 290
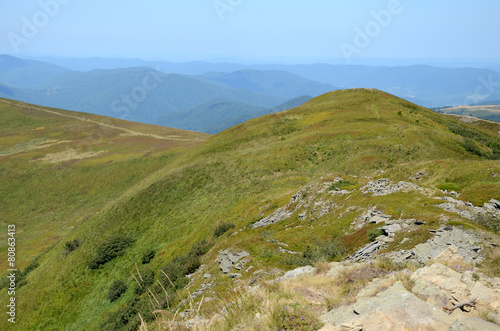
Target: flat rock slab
392, 309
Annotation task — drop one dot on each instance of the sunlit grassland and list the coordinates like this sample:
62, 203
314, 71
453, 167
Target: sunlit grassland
47, 201
168, 200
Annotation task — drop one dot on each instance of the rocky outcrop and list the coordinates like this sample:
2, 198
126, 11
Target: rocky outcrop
467, 243
384, 187
303, 271
386, 304
284, 212
228, 260
468, 210
371, 215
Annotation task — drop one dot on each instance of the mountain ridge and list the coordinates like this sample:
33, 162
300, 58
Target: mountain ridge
309, 168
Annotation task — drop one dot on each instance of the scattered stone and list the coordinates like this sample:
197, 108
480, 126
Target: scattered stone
419, 175
467, 246
468, 210
372, 215
384, 187
228, 260
286, 251
366, 252
307, 270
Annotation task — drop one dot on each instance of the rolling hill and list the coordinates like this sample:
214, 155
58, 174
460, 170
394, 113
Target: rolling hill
218, 115
140, 94
59, 168
275, 82
26, 73
428, 86
489, 112
281, 191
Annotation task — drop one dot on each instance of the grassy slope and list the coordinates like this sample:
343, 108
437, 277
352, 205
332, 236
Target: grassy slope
47, 201
488, 112
243, 174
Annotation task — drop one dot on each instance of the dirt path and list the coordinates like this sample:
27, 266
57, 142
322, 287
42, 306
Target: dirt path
131, 132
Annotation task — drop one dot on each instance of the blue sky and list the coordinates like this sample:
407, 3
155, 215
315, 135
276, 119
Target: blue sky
266, 30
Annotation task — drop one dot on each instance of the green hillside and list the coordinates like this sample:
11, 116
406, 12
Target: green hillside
489, 112
60, 168
239, 176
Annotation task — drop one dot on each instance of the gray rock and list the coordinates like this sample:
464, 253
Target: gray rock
384, 187
307, 270
392, 309
473, 324
228, 260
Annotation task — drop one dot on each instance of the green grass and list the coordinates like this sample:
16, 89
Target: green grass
167, 196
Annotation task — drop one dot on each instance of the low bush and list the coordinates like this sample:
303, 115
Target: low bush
295, 317
174, 273
327, 250
71, 245
147, 278
489, 221
223, 228
116, 290
111, 248
147, 256
374, 233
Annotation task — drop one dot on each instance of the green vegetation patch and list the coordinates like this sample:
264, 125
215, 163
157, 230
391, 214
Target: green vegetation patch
110, 249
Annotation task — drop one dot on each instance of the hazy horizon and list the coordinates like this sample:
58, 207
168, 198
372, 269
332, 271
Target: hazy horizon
390, 32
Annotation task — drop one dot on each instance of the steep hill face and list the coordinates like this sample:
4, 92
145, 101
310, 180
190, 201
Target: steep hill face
59, 168
280, 191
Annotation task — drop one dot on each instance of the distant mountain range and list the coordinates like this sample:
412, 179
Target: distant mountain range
218, 115
209, 97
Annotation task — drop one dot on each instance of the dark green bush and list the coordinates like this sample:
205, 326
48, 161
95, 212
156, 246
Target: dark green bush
147, 256
147, 279
374, 233
127, 318
183, 265
223, 228
116, 290
327, 250
341, 184
71, 245
111, 248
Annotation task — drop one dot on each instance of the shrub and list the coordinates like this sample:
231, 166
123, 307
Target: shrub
328, 250
489, 221
175, 271
374, 233
71, 245
341, 184
148, 279
147, 256
116, 290
295, 317
111, 248
127, 318
223, 228
200, 248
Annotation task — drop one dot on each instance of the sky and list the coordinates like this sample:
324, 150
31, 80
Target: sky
299, 31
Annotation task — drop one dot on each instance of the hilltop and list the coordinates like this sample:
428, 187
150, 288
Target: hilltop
352, 173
